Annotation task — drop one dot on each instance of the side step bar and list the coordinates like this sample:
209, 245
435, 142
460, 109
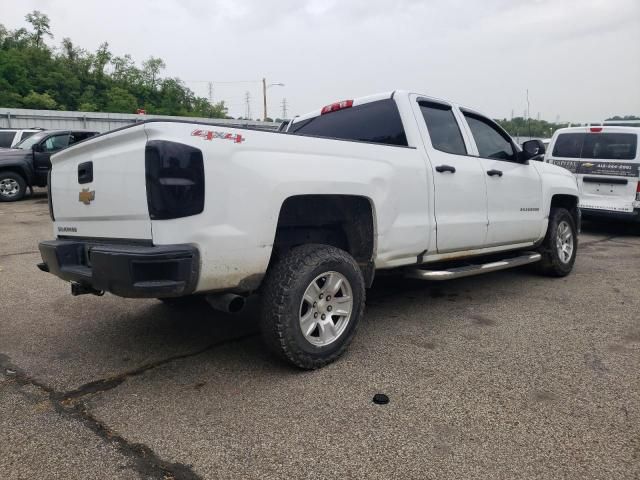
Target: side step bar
469, 270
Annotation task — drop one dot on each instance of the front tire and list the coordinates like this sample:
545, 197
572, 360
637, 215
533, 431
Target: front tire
560, 245
12, 186
312, 301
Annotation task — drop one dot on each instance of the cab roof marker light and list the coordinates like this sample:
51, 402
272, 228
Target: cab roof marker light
595, 129
334, 107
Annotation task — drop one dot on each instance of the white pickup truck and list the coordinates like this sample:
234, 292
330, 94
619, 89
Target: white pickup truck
396, 181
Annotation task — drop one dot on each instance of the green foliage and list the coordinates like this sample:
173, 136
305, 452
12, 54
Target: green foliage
521, 127
34, 75
40, 24
626, 117
40, 101
120, 100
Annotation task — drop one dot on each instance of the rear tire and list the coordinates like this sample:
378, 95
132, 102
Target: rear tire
312, 300
12, 186
560, 245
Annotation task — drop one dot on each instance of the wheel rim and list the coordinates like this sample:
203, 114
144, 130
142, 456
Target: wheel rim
326, 308
564, 241
9, 187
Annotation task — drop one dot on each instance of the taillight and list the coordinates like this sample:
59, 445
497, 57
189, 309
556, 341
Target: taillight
49, 199
595, 129
175, 180
334, 107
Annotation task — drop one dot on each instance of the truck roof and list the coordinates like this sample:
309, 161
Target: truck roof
356, 101
598, 128
374, 98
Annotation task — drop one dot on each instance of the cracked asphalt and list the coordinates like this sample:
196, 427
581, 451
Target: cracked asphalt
508, 375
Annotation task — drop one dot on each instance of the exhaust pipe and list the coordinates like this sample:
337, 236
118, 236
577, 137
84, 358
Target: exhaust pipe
227, 302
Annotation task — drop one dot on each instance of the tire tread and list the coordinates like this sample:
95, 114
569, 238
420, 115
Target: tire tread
279, 284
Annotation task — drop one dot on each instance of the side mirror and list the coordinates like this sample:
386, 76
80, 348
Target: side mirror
532, 148
36, 147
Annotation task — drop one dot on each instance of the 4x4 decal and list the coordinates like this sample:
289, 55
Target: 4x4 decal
210, 135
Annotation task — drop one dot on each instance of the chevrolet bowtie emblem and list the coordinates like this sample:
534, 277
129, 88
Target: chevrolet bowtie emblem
587, 165
86, 196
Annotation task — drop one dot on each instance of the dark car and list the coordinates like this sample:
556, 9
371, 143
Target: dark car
27, 164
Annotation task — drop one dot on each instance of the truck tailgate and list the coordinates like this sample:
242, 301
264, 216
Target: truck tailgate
98, 187
607, 192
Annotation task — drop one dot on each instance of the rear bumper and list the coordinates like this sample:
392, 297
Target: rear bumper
124, 270
610, 214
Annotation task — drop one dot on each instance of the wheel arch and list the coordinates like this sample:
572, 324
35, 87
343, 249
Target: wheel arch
570, 203
20, 170
344, 221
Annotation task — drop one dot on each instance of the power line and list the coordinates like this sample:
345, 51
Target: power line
223, 82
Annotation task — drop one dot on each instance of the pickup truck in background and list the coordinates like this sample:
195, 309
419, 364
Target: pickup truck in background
27, 164
396, 181
10, 137
606, 163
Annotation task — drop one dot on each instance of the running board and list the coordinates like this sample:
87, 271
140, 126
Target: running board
469, 270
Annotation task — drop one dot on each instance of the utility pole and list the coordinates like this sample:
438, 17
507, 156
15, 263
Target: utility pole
211, 93
528, 113
264, 94
284, 108
264, 97
247, 98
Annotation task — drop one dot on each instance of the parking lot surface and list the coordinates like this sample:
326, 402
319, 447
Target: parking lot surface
507, 375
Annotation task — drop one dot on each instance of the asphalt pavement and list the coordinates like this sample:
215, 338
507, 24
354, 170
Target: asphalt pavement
502, 376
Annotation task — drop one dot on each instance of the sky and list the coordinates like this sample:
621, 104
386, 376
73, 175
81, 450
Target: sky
579, 59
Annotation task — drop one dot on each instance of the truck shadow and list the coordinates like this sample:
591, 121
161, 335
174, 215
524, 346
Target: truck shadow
166, 332
611, 228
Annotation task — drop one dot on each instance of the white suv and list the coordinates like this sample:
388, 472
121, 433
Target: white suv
606, 163
9, 137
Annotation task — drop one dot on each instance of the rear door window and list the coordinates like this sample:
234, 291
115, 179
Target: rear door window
56, 142
6, 139
443, 128
375, 122
79, 136
601, 146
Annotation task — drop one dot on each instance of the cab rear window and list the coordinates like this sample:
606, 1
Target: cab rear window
603, 146
376, 122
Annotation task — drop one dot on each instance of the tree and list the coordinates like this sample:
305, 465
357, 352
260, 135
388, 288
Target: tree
101, 59
120, 100
626, 117
42, 101
40, 24
521, 127
69, 77
151, 69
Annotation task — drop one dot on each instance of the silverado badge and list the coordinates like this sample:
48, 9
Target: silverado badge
86, 196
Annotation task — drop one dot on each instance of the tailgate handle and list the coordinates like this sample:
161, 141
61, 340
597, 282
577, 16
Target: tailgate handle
615, 181
85, 172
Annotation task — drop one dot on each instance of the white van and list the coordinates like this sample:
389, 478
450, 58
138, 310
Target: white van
606, 163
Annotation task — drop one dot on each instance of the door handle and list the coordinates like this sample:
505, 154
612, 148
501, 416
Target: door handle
445, 168
494, 172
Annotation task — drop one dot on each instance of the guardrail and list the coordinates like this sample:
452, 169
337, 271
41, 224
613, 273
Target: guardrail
100, 121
